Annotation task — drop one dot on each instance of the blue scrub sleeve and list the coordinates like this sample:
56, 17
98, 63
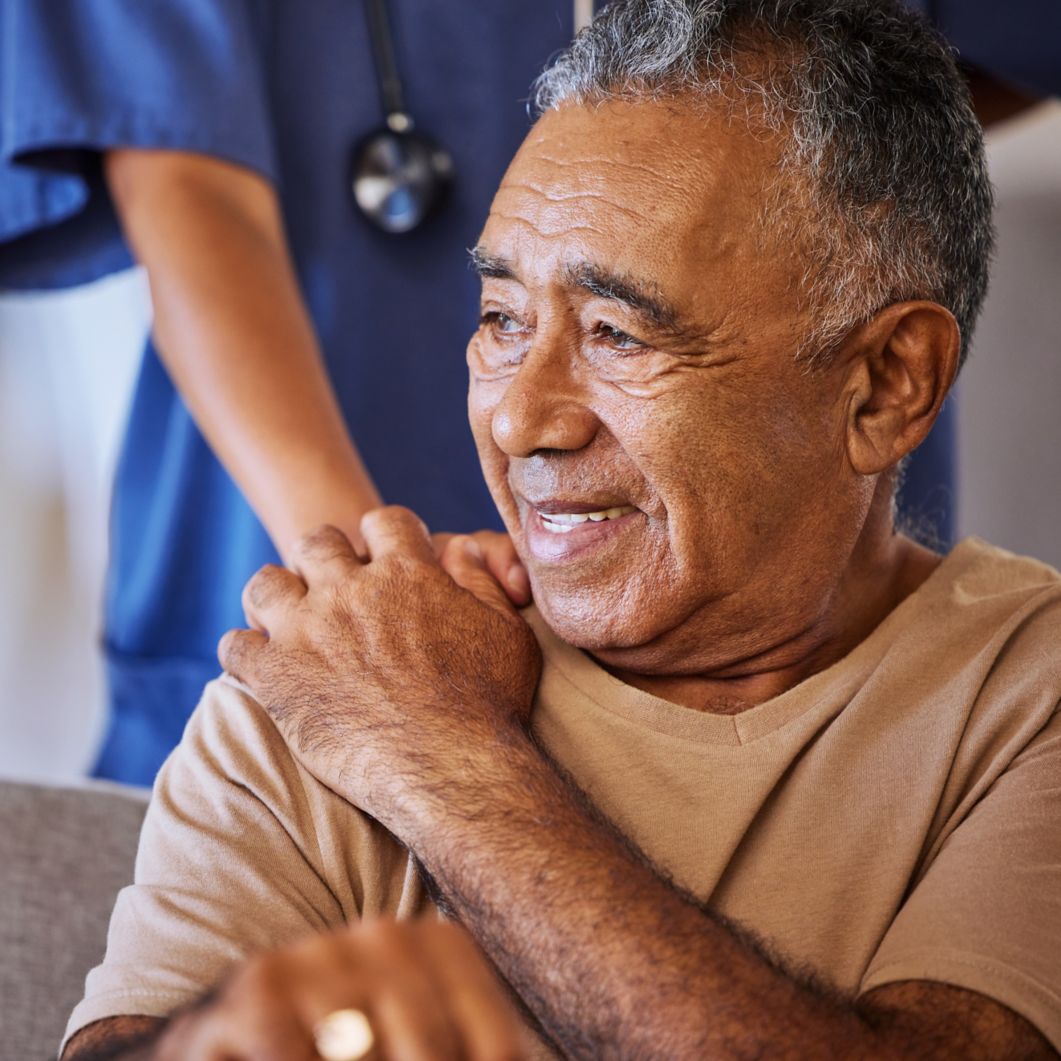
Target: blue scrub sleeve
80, 76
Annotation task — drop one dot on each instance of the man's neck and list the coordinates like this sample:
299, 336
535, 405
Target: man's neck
876, 584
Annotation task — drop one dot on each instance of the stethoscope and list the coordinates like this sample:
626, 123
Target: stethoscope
399, 176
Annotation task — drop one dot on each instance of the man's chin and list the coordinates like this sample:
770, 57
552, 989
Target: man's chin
582, 621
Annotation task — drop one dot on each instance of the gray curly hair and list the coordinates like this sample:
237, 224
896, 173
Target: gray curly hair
884, 155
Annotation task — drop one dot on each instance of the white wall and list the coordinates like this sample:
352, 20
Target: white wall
67, 363
1009, 409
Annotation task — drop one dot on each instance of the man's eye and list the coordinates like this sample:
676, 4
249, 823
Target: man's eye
501, 323
618, 339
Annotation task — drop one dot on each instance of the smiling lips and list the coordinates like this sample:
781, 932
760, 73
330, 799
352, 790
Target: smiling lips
563, 530
565, 522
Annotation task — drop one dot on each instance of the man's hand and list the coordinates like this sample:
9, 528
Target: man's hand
392, 678
425, 988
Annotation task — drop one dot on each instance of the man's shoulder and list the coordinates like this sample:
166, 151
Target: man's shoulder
232, 754
235, 782
981, 569
231, 746
980, 588
229, 722
989, 637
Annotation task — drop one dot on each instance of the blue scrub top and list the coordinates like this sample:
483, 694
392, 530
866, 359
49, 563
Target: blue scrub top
285, 89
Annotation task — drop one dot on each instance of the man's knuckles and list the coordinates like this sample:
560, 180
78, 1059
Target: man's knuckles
269, 586
325, 547
239, 652
394, 528
394, 518
381, 937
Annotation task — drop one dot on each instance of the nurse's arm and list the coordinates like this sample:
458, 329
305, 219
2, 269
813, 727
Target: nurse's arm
234, 334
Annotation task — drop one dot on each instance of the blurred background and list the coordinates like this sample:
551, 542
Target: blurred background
68, 363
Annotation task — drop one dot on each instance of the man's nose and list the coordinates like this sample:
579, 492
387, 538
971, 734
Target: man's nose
545, 406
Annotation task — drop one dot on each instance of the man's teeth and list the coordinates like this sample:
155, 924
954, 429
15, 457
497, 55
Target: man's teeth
565, 522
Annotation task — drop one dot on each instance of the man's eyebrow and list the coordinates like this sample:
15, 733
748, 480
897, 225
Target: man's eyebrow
491, 265
634, 293
641, 297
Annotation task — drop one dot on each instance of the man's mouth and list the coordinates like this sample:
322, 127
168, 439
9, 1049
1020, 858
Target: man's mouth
559, 530
565, 522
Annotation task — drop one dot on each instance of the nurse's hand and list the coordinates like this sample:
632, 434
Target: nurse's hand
499, 558
402, 682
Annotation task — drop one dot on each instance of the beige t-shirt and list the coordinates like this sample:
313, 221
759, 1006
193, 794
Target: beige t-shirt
896, 816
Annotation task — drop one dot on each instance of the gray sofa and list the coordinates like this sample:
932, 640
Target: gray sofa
64, 854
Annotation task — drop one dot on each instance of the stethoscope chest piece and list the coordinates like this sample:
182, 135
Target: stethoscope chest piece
399, 176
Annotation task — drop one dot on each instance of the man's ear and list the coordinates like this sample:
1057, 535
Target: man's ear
901, 366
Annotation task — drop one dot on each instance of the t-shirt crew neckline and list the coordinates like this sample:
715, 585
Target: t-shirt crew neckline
829, 689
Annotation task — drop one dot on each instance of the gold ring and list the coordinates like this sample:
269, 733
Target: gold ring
344, 1035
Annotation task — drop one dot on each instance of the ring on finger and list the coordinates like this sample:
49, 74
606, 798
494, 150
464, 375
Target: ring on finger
344, 1035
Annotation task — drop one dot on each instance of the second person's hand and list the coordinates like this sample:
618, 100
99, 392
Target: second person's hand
499, 556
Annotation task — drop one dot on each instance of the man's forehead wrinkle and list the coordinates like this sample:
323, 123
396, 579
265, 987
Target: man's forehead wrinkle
551, 195
612, 179
608, 162
545, 223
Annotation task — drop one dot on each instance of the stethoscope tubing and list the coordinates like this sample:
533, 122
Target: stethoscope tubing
388, 75
399, 176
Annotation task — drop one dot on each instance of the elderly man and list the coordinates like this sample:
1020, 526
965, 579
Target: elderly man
759, 776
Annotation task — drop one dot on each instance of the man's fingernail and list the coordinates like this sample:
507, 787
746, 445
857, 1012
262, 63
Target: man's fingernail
471, 547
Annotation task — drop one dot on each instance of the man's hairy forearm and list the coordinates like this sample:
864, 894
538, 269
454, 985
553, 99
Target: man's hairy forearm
614, 961
611, 959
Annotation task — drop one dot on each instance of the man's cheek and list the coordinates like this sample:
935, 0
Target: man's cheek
492, 460
480, 417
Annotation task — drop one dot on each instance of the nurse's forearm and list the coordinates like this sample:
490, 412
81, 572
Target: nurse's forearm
232, 330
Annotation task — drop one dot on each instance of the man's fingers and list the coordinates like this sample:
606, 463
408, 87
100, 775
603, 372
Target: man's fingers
321, 980
424, 988
240, 652
485, 1017
374, 967
269, 592
504, 564
270, 1031
260, 1014
411, 1014
463, 561
395, 529
325, 554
